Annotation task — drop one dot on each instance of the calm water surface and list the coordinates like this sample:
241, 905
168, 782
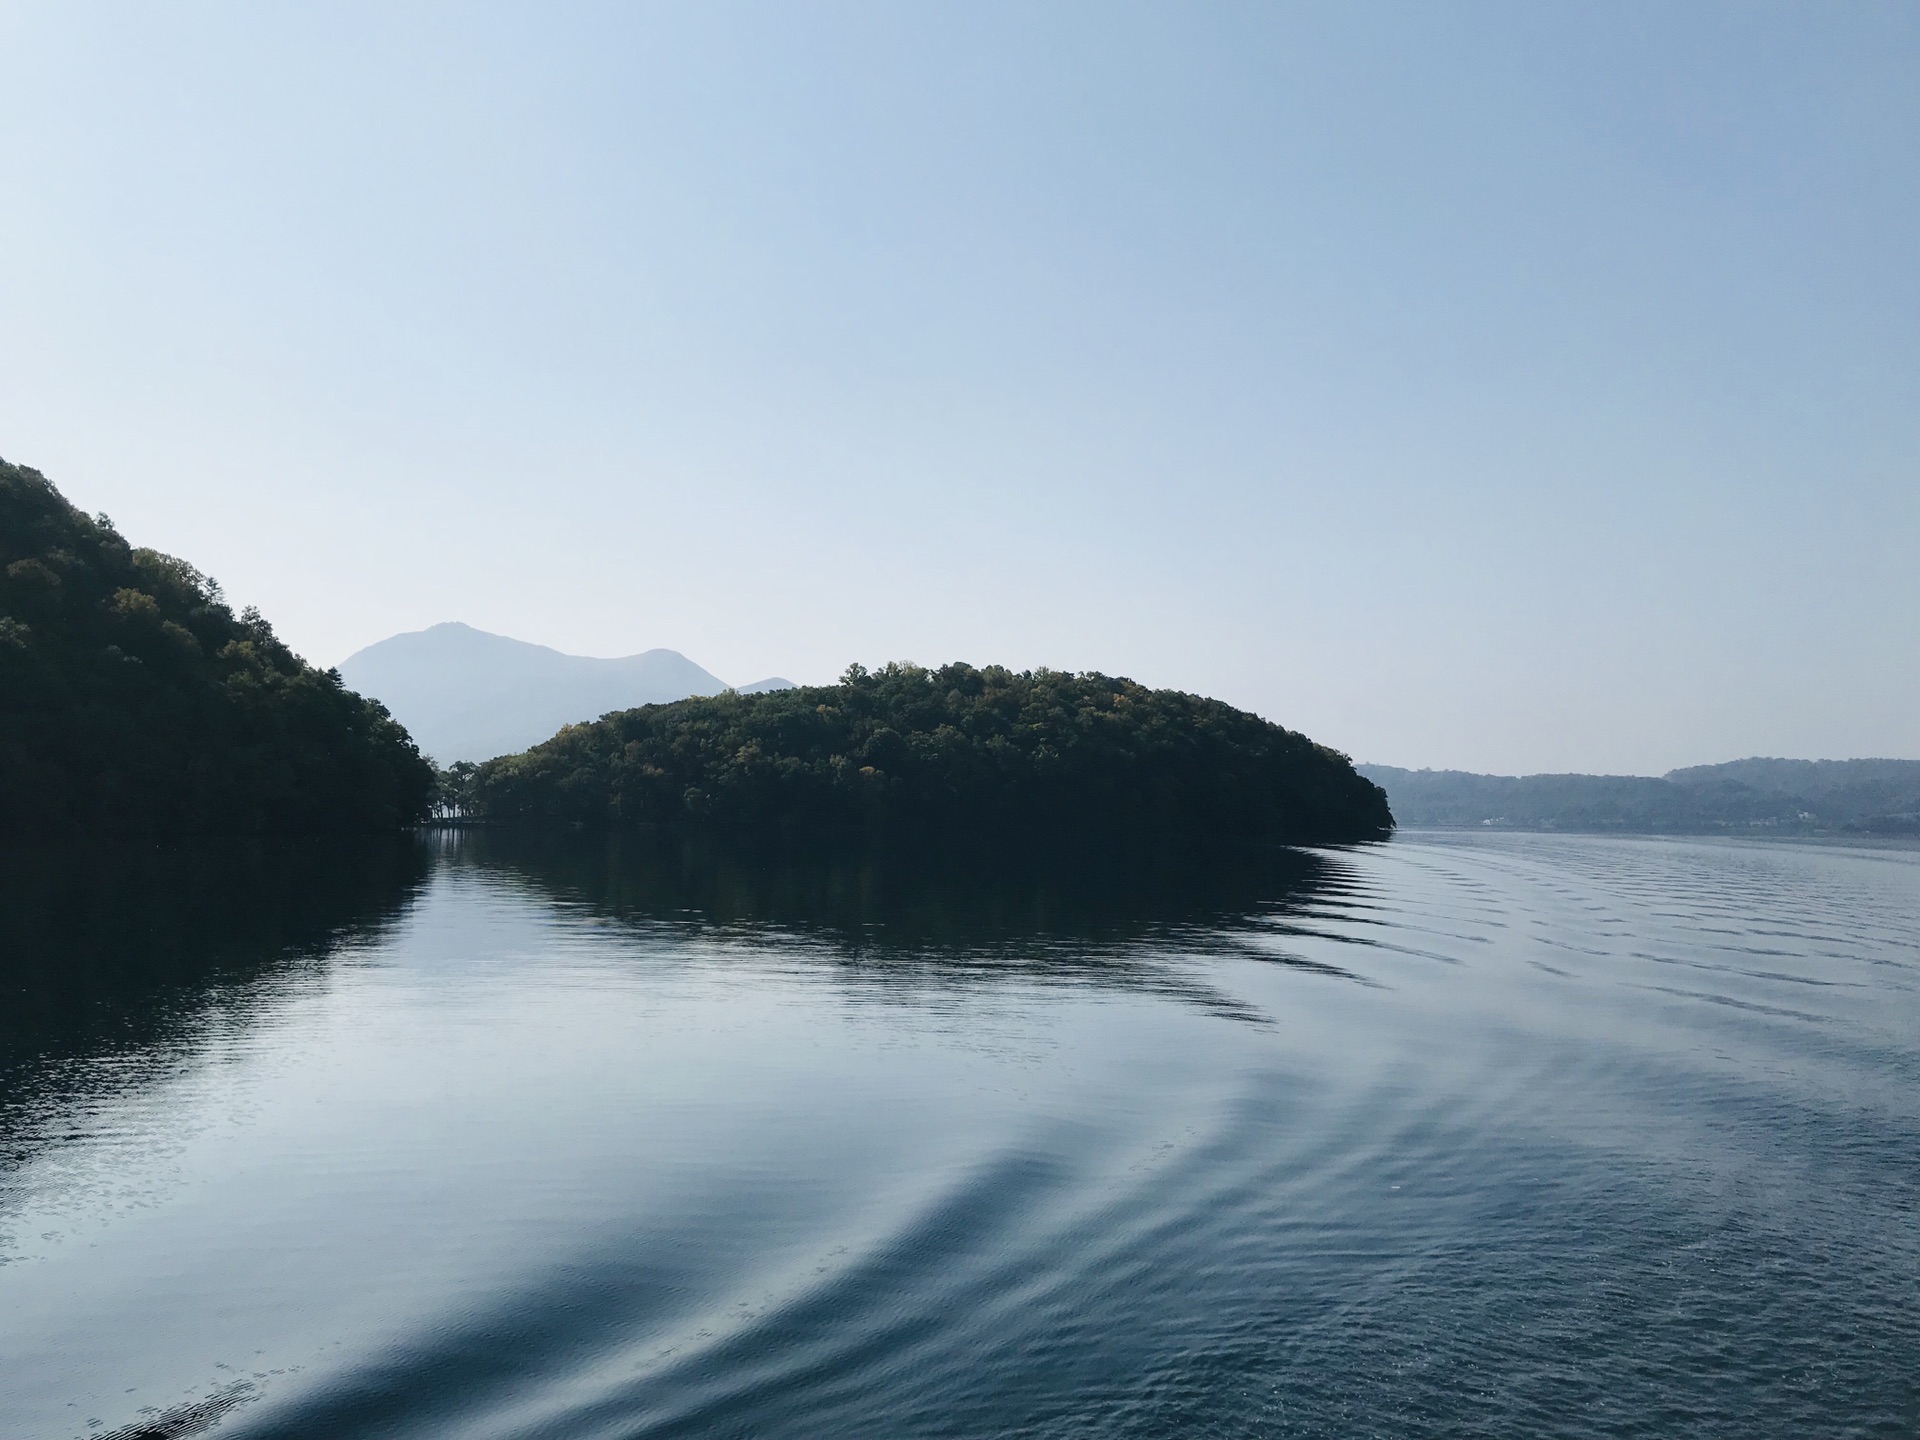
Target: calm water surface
1456, 1135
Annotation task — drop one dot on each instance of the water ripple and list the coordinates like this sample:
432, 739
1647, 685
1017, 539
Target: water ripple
572, 1145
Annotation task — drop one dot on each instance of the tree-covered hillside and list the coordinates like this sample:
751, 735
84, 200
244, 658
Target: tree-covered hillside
133, 701
953, 752
1757, 796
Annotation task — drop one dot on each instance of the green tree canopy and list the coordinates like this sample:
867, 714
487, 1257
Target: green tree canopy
954, 751
134, 701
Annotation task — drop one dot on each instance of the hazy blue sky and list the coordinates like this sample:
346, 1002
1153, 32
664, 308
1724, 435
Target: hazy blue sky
1510, 387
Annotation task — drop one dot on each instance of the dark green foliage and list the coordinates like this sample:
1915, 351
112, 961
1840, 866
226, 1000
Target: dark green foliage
453, 792
952, 752
134, 702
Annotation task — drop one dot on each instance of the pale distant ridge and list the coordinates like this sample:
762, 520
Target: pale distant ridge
466, 694
1803, 777
1754, 796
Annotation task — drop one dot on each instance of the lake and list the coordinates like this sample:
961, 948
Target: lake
500, 1138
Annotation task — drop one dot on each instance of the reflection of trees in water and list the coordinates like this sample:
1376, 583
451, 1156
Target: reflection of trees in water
1121, 919
125, 950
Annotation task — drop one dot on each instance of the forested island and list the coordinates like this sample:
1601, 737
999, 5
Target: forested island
956, 752
135, 703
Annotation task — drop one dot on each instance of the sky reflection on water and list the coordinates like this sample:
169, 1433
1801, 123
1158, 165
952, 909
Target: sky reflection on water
1455, 1135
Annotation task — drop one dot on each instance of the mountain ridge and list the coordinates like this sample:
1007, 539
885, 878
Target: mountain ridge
469, 694
1760, 794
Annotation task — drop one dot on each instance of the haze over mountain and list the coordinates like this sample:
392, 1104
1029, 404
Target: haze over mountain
1758, 795
465, 694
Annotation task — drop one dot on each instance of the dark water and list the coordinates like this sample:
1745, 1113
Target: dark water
1510, 1135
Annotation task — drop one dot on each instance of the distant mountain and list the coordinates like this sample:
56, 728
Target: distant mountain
465, 694
1804, 777
1739, 797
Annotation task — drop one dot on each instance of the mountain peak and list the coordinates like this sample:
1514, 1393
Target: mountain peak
469, 694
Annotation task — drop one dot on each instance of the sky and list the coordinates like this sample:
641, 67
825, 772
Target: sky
1498, 387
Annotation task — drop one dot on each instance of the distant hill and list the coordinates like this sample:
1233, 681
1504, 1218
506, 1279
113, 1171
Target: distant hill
1811, 778
1755, 796
465, 694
